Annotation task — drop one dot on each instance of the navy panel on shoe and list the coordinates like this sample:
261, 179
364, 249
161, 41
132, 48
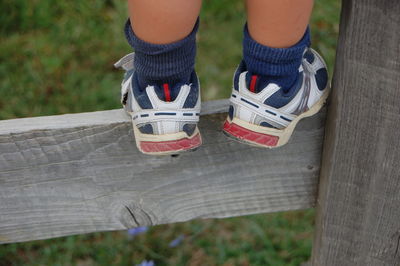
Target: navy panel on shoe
230, 112
128, 74
146, 129
285, 118
321, 77
174, 88
266, 124
193, 95
281, 98
250, 103
309, 56
140, 94
165, 113
261, 82
189, 128
159, 91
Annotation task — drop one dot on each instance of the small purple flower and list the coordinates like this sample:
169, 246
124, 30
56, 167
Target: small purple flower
177, 241
147, 263
132, 232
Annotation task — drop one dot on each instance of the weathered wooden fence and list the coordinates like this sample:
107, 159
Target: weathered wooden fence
358, 203
80, 173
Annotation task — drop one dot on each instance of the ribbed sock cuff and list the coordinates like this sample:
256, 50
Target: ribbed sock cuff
264, 60
168, 63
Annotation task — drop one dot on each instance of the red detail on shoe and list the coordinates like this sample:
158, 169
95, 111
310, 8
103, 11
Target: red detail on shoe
167, 92
171, 145
253, 83
246, 134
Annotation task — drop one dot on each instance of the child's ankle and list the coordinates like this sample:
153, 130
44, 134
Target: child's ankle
163, 63
274, 65
143, 82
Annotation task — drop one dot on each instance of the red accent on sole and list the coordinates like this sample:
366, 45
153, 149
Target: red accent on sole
171, 145
166, 92
248, 135
253, 83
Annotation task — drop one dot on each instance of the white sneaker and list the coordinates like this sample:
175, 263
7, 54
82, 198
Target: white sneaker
267, 117
164, 119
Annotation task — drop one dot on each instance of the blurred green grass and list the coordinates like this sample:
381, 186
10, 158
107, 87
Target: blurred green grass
274, 239
57, 57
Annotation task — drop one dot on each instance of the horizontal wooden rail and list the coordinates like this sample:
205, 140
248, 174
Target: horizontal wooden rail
80, 173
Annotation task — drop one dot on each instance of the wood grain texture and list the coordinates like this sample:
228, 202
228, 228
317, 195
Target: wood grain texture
358, 217
81, 173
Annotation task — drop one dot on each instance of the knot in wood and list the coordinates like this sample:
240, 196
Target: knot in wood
133, 215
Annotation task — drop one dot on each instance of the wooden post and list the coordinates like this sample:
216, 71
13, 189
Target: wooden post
358, 206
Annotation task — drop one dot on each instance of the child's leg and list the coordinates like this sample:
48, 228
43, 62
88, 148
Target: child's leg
280, 79
278, 23
275, 37
160, 89
162, 22
163, 35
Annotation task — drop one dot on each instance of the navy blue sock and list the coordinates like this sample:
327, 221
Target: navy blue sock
163, 63
276, 65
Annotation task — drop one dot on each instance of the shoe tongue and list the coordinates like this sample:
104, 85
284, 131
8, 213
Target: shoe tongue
256, 83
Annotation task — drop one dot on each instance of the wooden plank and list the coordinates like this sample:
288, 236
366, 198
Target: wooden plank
99, 118
81, 173
358, 214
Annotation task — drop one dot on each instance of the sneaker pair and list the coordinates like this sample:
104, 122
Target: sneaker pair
260, 114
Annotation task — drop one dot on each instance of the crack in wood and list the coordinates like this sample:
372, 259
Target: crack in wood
397, 246
133, 216
150, 221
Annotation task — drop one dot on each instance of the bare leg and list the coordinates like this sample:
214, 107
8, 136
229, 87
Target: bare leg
163, 21
278, 23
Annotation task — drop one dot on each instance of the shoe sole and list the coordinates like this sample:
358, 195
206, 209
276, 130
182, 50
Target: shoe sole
166, 144
259, 136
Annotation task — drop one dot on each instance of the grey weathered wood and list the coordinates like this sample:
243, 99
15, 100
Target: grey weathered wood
99, 118
358, 208
80, 173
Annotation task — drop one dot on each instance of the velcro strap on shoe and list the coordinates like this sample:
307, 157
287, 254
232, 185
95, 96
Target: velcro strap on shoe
126, 62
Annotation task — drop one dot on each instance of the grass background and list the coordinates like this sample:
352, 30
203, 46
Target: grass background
57, 57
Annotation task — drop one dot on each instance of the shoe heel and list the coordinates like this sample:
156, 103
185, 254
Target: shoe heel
248, 136
170, 146
167, 144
